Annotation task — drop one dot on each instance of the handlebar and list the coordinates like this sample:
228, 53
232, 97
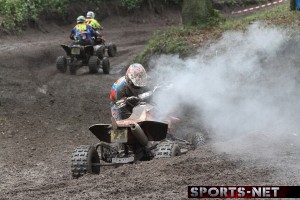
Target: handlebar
142, 97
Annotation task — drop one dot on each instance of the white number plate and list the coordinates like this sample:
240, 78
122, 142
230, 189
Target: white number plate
75, 51
122, 160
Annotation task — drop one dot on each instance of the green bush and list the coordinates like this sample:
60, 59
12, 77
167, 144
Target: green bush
172, 41
16, 13
131, 4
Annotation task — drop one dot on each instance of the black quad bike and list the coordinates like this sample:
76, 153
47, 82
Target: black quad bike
140, 137
78, 56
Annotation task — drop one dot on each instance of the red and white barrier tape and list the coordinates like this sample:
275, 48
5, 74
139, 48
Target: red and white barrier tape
258, 7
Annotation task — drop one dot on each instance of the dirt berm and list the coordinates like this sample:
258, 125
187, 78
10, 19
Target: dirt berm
44, 115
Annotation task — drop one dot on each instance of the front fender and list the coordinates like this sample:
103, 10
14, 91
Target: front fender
155, 130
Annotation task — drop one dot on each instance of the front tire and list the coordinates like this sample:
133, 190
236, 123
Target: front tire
94, 64
167, 149
106, 65
197, 139
83, 159
61, 64
112, 50
100, 51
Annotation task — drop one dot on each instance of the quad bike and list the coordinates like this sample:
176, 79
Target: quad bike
101, 48
78, 56
140, 137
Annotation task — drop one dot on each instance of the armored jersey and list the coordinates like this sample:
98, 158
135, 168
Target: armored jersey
82, 34
120, 90
93, 23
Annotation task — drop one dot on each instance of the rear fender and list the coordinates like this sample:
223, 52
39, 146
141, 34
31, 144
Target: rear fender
154, 130
101, 131
67, 49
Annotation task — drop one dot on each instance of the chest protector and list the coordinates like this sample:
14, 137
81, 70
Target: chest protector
81, 33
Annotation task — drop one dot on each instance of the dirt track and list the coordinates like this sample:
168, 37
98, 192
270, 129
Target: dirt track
44, 115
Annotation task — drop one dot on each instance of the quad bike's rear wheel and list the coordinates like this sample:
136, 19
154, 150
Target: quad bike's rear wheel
106, 65
61, 64
100, 51
197, 139
94, 64
111, 50
167, 149
83, 159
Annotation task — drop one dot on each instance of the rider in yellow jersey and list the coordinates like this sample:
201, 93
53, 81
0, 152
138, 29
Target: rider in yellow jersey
90, 20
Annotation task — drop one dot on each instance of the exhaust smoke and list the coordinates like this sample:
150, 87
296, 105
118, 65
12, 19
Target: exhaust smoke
244, 89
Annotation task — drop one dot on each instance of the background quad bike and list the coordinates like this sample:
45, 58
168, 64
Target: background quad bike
78, 56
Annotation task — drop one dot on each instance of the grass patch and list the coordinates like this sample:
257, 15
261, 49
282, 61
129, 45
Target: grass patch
172, 41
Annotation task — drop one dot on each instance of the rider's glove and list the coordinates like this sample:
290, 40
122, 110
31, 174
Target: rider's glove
132, 101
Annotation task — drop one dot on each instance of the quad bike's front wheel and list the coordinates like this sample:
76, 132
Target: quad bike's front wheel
61, 64
166, 149
111, 50
84, 160
100, 51
94, 64
106, 65
197, 139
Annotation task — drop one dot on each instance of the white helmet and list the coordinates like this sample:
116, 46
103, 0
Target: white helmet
136, 75
90, 14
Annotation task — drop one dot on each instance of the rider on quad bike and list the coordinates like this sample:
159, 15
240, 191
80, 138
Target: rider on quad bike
90, 20
82, 51
130, 85
82, 33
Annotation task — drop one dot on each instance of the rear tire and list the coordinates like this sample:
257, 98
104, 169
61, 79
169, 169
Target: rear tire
106, 65
61, 64
82, 159
112, 50
100, 51
94, 64
167, 149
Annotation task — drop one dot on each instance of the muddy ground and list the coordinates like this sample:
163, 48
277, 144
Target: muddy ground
44, 115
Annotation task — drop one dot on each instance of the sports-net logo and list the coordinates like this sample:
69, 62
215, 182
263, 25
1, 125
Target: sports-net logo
243, 191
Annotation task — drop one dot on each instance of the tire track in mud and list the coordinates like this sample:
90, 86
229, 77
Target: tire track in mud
15, 47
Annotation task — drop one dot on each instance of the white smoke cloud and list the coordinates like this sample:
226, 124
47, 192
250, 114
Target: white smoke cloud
244, 86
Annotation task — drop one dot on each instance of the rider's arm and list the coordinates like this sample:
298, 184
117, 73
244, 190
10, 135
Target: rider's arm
118, 90
72, 34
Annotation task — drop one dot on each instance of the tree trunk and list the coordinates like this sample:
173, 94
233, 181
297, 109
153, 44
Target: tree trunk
196, 12
293, 4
